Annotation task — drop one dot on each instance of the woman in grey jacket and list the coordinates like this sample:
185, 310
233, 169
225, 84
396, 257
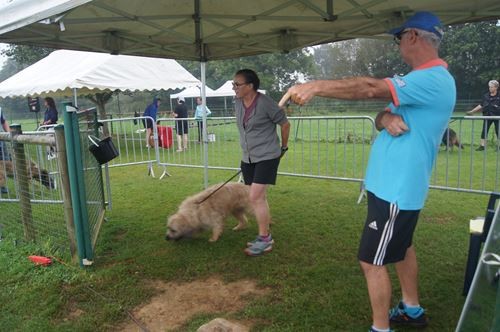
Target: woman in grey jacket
257, 116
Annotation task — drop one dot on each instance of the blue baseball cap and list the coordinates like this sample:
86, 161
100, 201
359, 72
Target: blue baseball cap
421, 20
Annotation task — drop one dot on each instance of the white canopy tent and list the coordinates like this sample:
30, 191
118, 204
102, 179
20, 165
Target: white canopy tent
192, 92
226, 90
63, 72
217, 29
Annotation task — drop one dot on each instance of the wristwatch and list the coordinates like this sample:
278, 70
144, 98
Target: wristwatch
284, 148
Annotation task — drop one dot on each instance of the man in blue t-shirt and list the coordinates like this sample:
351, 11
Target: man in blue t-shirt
401, 160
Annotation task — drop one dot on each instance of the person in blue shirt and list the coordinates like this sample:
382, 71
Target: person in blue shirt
198, 115
50, 116
151, 112
400, 163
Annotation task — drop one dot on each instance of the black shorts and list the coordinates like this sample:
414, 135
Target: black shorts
148, 123
387, 233
181, 126
262, 172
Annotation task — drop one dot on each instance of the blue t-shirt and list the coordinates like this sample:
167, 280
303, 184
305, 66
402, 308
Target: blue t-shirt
399, 168
198, 114
50, 114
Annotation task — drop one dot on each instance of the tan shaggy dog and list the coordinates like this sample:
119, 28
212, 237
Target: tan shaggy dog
35, 173
195, 215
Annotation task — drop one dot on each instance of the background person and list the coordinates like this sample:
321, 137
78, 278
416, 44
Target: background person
400, 163
198, 115
151, 111
4, 154
491, 107
181, 124
256, 117
50, 117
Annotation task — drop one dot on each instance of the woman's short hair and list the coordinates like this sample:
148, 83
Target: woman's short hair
493, 83
250, 77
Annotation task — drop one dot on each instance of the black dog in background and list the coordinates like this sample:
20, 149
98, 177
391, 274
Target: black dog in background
450, 139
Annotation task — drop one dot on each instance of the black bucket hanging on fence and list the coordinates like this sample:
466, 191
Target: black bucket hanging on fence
103, 150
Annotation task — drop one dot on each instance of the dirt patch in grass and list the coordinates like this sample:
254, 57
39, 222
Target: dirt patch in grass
72, 312
176, 303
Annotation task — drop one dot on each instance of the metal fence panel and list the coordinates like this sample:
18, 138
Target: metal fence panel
330, 147
43, 191
460, 166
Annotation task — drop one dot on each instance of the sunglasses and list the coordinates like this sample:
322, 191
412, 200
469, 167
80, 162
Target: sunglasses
237, 85
398, 36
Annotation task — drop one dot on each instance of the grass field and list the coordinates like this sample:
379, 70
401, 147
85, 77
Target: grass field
312, 276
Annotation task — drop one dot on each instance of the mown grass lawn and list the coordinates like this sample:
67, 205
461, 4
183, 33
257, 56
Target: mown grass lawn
313, 273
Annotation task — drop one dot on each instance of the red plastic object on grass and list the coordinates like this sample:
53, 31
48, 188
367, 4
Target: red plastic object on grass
165, 137
40, 260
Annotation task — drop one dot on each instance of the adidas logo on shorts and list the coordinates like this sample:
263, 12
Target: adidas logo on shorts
373, 225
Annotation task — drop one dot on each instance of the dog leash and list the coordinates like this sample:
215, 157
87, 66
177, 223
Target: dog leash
238, 173
283, 151
222, 185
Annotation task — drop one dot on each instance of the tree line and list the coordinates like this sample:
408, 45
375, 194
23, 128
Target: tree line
472, 51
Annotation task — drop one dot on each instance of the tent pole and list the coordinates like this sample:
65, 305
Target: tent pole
205, 141
75, 98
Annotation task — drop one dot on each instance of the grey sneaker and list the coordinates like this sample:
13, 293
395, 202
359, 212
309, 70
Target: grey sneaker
251, 243
259, 247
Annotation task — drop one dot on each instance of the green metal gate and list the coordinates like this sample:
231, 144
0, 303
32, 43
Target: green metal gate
85, 177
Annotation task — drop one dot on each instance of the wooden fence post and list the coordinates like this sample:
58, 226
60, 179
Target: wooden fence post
21, 173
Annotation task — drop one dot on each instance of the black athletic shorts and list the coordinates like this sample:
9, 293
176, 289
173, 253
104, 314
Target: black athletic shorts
181, 126
148, 123
387, 233
262, 172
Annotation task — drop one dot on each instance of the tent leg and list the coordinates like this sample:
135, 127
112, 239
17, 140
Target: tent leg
205, 141
75, 97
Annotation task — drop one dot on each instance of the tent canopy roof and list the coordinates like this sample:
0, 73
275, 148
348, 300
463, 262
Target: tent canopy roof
63, 70
192, 92
217, 29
